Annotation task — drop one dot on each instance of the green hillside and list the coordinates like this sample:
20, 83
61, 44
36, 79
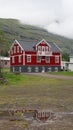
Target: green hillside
12, 29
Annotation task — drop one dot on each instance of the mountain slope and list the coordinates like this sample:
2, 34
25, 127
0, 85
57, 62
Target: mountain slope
13, 29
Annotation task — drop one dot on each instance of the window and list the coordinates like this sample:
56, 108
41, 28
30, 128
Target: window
49, 69
38, 58
29, 69
20, 50
14, 49
36, 69
47, 59
17, 49
57, 59
28, 58
19, 59
43, 48
13, 69
19, 69
56, 69
46, 48
12, 59
39, 48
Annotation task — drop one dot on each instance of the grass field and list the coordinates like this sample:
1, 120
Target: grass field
36, 92
66, 73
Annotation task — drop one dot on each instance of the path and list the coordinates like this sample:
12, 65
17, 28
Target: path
51, 75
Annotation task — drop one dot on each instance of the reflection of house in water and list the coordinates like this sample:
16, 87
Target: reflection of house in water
67, 66
5, 61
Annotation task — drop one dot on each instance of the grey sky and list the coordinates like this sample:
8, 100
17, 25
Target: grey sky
54, 15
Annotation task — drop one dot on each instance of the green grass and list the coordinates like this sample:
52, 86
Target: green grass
36, 92
66, 73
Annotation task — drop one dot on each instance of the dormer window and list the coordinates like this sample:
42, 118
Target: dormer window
43, 48
14, 49
17, 49
46, 48
39, 48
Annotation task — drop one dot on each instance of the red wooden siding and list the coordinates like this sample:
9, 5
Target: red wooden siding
20, 56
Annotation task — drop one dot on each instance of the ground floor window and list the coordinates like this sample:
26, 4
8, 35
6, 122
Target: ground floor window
56, 69
49, 69
36, 69
38, 58
47, 59
13, 69
29, 69
19, 69
57, 59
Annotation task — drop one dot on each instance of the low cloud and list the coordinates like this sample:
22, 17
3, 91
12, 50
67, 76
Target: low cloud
54, 15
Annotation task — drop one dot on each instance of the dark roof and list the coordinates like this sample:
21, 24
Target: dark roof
28, 45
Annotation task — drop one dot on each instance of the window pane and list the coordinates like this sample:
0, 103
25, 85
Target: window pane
47, 59
19, 59
38, 58
39, 48
36, 69
49, 69
29, 69
13, 59
28, 58
56, 59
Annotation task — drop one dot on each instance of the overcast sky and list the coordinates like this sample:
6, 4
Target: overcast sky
54, 15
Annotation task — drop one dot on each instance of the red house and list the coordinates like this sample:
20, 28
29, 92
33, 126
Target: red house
35, 57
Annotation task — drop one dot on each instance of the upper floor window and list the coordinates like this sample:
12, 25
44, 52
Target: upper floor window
43, 48
28, 58
57, 59
17, 49
38, 58
12, 59
39, 48
19, 58
14, 49
47, 59
46, 48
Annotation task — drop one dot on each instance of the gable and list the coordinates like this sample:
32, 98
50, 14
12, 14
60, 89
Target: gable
16, 43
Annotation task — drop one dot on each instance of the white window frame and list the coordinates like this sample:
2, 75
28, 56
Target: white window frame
19, 58
39, 48
28, 58
13, 58
14, 49
17, 49
46, 48
38, 58
43, 48
56, 59
48, 60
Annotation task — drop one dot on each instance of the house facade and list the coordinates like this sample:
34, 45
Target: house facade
70, 65
36, 56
